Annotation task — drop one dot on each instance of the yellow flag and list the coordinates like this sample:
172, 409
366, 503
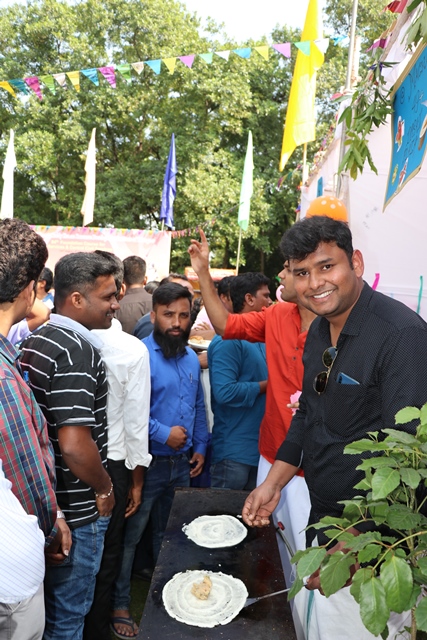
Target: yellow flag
263, 51
300, 117
75, 79
170, 63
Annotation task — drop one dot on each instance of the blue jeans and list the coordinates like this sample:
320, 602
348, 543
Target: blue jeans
228, 474
69, 587
163, 475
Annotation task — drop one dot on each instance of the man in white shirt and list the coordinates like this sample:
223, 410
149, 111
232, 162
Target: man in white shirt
127, 365
22, 568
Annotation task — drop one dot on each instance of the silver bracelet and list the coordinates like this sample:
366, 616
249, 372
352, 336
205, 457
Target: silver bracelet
104, 496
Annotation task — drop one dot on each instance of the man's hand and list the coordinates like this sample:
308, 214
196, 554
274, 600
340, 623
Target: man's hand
314, 580
134, 501
199, 459
260, 504
60, 547
177, 437
203, 359
105, 505
199, 253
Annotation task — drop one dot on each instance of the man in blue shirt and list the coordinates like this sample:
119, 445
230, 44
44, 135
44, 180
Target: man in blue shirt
238, 376
177, 427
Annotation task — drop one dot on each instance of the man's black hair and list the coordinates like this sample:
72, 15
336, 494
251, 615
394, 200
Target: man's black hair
169, 292
173, 276
135, 269
116, 260
223, 286
47, 276
23, 254
244, 283
80, 271
305, 236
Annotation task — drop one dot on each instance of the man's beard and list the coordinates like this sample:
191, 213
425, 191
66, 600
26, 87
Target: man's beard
170, 345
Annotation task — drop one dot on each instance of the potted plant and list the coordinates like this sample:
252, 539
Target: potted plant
387, 562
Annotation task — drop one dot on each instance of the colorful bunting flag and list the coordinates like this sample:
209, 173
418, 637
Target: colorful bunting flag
109, 75
6, 85
124, 70
138, 66
207, 57
300, 117
397, 6
263, 51
284, 49
92, 75
322, 44
223, 54
19, 85
155, 65
304, 47
187, 60
33, 83
49, 82
61, 79
74, 77
243, 53
381, 43
170, 63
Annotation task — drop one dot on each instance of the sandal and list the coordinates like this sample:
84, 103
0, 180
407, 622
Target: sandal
126, 621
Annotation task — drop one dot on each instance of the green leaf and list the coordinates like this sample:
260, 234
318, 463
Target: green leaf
421, 615
296, 558
370, 552
407, 415
411, 477
296, 587
373, 606
331, 520
376, 463
364, 445
396, 577
310, 561
401, 517
385, 481
422, 565
423, 414
379, 512
362, 575
400, 436
336, 572
363, 485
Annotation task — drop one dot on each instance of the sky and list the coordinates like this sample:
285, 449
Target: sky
246, 19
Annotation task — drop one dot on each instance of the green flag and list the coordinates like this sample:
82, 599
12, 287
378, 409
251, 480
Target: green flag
247, 187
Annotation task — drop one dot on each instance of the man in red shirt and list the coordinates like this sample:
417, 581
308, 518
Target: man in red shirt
283, 327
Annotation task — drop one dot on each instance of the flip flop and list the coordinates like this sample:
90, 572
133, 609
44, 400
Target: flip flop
126, 621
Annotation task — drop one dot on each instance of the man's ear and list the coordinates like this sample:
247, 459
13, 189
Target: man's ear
249, 299
29, 295
76, 299
152, 316
358, 263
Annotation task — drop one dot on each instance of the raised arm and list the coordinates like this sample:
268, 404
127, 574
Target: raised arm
199, 254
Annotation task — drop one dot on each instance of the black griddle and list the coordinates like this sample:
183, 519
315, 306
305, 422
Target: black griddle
255, 561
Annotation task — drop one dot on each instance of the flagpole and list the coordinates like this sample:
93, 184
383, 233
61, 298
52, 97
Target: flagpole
238, 251
304, 164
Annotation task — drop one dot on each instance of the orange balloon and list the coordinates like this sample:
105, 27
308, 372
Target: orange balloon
327, 206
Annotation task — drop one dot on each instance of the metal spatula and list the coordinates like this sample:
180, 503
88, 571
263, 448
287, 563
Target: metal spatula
250, 601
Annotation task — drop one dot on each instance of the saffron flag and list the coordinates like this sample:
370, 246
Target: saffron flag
246, 189
300, 116
6, 210
169, 187
90, 179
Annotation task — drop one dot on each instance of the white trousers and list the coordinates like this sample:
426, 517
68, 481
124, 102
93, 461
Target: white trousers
23, 620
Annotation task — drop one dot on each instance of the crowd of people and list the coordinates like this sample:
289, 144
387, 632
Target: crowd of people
103, 415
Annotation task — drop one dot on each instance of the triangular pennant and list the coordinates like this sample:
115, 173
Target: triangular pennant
138, 66
170, 63
263, 51
49, 82
223, 54
74, 77
284, 48
19, 85
207, 57
92, 75
243, 53
155, 65
304, 47
322, 44
187, 60
6, 85
60, 79
109, 75
33, 83
124, 70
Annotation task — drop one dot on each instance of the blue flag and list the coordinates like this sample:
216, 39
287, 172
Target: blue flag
169, 187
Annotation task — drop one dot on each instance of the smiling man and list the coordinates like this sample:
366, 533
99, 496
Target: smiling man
364, 360
67, 376
177, 430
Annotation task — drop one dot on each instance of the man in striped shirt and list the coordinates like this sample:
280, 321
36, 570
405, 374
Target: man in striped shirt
28, 519
68, 378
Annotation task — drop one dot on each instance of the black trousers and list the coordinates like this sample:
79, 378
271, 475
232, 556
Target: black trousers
97, 622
